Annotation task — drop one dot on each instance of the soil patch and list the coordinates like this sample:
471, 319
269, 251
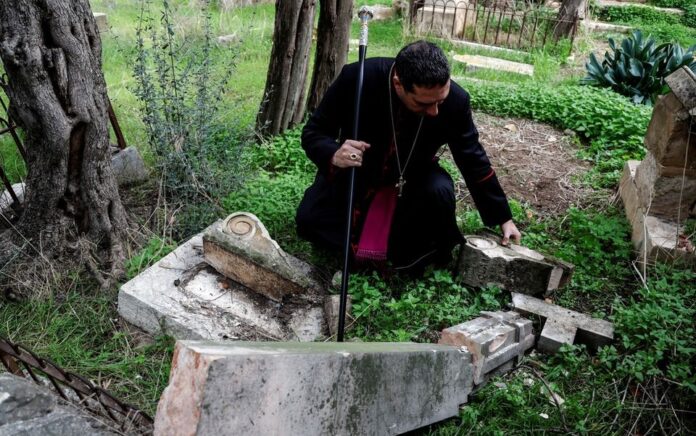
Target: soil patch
534, 162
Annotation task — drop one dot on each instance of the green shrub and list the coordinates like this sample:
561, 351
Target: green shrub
154, 250
180, 88
656, 329
636, 15
638, 67
670, 3
423, 306
599, 246
613, 125
274, 199
689, 17
282, 154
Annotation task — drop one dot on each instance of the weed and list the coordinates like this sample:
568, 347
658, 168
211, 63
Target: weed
80, 333
423, 308
155, 249
181, 93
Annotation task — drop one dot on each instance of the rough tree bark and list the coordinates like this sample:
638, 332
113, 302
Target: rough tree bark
51, 51
565, 20
333, 36
283, 103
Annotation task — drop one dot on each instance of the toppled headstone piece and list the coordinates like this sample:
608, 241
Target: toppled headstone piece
564, 326
321, 388
182, 296
29, 409
497, 341
515, 268
242, 250
659, 192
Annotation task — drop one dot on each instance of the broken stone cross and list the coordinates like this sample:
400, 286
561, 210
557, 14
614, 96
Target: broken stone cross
515, 268
496, 340
564, 326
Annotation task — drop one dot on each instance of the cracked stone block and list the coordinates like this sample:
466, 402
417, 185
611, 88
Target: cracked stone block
181, 295
100, 19
6, 199
475, 62
667, 137
241, 249
496, 340
228, 39
516, 268
129, 167
682, 82
567, 326
331, 309
667, 192
554, 335
31, 410
653, 237
446, 22
252, 388
382, 12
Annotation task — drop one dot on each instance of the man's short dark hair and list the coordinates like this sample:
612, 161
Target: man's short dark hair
422, 63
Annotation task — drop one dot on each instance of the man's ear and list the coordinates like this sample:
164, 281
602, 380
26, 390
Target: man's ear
397, 82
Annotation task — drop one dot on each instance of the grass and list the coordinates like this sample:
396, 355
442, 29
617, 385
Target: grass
77, 328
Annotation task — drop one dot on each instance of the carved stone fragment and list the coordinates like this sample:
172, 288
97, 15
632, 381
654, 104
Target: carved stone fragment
496, 340
241, 249
566, 326
516, 268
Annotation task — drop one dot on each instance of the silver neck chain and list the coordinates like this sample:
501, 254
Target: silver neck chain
402, 170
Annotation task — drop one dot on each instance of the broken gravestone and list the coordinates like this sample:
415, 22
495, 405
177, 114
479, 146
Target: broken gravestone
241, 249
31, 410
445, 20
183, 296
331, 312
252, 388
100, 19
564, 326
516, 268
129, 167
6, 200
496, 340
659, 192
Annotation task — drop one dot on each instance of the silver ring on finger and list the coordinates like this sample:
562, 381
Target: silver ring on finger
353, 156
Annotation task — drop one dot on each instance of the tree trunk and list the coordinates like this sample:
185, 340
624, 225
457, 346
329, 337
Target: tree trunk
565, 20
51, 51
283, 103
332, 47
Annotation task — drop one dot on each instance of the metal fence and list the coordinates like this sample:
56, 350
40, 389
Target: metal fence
22, 362
8, 127
501, 23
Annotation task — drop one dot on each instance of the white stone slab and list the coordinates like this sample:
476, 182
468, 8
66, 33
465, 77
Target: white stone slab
624, 4
6, 199
328, 388
102, 23
484, 62
599, 26
180, 295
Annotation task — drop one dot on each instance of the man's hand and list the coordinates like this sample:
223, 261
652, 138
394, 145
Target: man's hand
350, 154
510, 231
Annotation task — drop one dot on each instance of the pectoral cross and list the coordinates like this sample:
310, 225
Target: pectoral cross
400, 184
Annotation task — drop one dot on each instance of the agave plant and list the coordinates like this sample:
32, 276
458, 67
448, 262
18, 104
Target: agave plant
638, 67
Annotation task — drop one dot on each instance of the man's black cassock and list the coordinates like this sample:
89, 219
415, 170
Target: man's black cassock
424, 221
